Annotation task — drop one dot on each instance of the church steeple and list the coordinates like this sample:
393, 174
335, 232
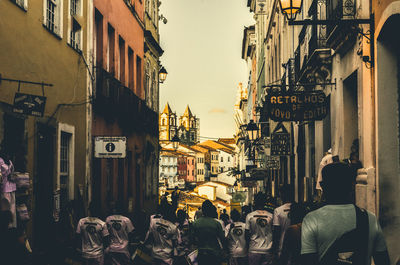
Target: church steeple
188, 112
167, 109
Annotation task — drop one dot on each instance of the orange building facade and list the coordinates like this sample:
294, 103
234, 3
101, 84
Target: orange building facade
120, 108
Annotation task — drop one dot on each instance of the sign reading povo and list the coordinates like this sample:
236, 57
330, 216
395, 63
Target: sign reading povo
297, 106
110, 147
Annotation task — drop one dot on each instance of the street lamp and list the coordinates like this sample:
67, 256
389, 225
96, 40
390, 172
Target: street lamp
252, 130
290, 8
175, 142
162, 74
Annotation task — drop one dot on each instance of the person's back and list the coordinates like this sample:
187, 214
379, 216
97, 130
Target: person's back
259, 233
208, 236
324, 226
119, 228
184, 233
207, 231
164, 236
282, 221
337, 232
236, 240
259, 224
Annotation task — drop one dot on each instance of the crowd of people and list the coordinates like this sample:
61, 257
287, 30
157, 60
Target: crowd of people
337, 232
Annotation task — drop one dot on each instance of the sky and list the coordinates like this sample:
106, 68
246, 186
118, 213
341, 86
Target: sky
202, 41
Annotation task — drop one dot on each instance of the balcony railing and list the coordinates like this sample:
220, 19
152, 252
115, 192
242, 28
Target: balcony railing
115, 102
340, 9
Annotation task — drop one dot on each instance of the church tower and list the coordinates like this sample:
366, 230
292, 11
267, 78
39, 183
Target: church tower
167, 124
188, 128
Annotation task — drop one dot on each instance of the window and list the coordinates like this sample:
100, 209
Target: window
131, 68
153, 91
52, 16
147, 6
21, 3
222, 159
111, 49
75, 36
192, 172
99, 37
147, 84
74, 9
155, 7
138, 76
65, 161
229, 159
121, 72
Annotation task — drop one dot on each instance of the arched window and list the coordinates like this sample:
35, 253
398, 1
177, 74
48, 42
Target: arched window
147, 84
153, 91
154, 13
147, 6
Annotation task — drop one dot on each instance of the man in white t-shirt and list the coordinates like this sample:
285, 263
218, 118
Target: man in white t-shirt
93, 236
120, 229
323, 227
235, 234
281, 220
259, 233
163, 236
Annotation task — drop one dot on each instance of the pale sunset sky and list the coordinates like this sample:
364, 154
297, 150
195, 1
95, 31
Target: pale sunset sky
202, 42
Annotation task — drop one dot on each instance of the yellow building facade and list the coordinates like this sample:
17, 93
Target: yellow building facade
47, 41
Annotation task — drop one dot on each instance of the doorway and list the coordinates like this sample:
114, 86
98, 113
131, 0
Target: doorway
44, 186
350, 116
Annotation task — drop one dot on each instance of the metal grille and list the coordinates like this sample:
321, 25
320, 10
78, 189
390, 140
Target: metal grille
51, 16
64, 153
74, 7
75, 39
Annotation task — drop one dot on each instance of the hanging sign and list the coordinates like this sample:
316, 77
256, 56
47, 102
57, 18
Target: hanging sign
110, 147
29, 104
280, 141
297, 106
272, 162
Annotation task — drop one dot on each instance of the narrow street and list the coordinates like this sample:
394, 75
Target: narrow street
199, 132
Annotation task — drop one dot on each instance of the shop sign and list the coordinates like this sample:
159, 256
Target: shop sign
272, 162
280, 141
110, 147
29, 104
297, 106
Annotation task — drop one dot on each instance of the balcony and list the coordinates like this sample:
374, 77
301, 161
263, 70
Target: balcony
313, 56
341, 37
115, 102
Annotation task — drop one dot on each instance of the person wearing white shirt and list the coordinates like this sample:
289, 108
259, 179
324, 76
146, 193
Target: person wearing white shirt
281, 220
259, 233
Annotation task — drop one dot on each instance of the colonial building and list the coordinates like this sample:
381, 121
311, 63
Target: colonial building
357, 69
120, 108
45, 51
